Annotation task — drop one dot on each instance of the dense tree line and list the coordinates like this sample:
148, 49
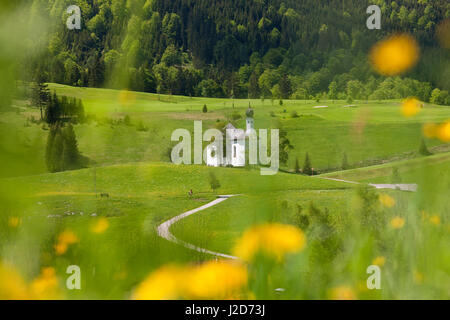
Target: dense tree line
238, 48
54, 109
64, 109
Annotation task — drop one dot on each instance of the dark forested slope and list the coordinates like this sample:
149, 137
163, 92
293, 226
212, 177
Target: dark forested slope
270, 48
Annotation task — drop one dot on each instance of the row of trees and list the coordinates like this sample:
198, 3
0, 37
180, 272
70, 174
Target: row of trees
233, 48
54, 109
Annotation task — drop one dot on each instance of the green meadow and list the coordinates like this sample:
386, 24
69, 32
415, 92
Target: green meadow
130, 182
367, 132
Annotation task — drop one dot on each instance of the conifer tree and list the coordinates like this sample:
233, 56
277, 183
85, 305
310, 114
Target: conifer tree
297, 166
70, 154
57, 150
307, 169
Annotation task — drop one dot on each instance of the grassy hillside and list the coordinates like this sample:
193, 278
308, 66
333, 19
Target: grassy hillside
405, 171
364, 132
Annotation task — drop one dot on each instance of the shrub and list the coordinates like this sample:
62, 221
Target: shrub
345, 164
141, 127
423, 149
214, 182
349, 99
127, 120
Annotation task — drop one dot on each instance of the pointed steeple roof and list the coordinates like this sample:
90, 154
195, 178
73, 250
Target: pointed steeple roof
249, 113
230, 126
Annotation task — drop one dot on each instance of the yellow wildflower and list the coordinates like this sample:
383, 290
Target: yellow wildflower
435, 219
46, 285
65, 239
342, 293
211, 280
397, 223
100, 225
165, 283
216, 280
410, 107
443, 132
127, 98
386, 200
394, 55
272, 239
14, 222
418, 277
60, 248
12, 285
379, 261
430, 130
68, 237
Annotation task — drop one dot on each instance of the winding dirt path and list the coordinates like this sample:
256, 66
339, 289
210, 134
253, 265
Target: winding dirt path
164, 229
412, 187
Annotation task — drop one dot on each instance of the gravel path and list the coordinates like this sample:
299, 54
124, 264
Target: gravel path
398, 186
164, 229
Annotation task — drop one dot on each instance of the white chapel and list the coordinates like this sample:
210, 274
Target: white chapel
235, 142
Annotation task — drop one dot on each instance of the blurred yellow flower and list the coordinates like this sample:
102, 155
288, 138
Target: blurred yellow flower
211, 280
12, 285
65, 239
430, 130
386, 200
46, 286
100, 225
166, 283
60, 248
14, 222
435, 219
418, 277
68, 237
272, 239
394, 55
379, 261
126, 98
342, 293
411, 107
397, 223
216, 280
443, 132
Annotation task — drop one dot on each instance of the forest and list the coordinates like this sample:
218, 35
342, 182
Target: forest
276, 49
